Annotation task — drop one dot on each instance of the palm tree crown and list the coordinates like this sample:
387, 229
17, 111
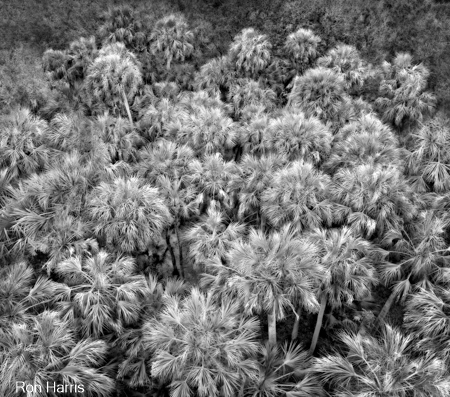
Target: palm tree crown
21, 143
211, 237
207, 130
246, 92
299, 137
211, 178
433, 309
47, 350
302, 46
129, 213
364, 141
346, 59
250, 51
403, 96
122, 25
215, 75
319, 92
113, 79
172, 39
164, 157
379, 197
202, 346
383, 367
428, 162
297, 194
255, 176
105, 293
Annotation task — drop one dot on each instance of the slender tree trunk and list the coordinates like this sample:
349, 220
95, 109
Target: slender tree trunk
272, 323
294, 334
127, 106
385, 310
263, 223
180, 253
323, 304
172, 254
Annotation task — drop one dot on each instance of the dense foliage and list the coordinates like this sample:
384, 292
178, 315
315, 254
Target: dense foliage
179, 218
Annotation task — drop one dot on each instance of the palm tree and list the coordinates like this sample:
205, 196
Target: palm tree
128, 212
211, 238
158, 116
80, 54
298, 194
40, 202
69, 132
211, 178
20, 291
171, 39
189, 101
255, 176
207, 130
346, 60
164, 157
22, 148
121, 140
423, 258
246, 92
270, 273
105, 293
277, 75
387, 366
427, 319
402, 91
252, 133
55, 64
364, 141
349, 271
302, 48
46, 350
134, 369
122, 24
299, 137
180, 200
202, 346
282, 372
67, 236
428, 162
70, 66
318, 92
215, 76
380, 198
250, 53
113, 79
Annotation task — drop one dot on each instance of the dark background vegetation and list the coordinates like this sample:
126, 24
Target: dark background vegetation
378, 28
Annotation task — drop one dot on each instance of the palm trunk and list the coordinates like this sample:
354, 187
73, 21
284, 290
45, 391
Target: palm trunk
272, 323
263, 223
180, 253
172, 254
385, 310
323, 304
294, 334
127, 106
